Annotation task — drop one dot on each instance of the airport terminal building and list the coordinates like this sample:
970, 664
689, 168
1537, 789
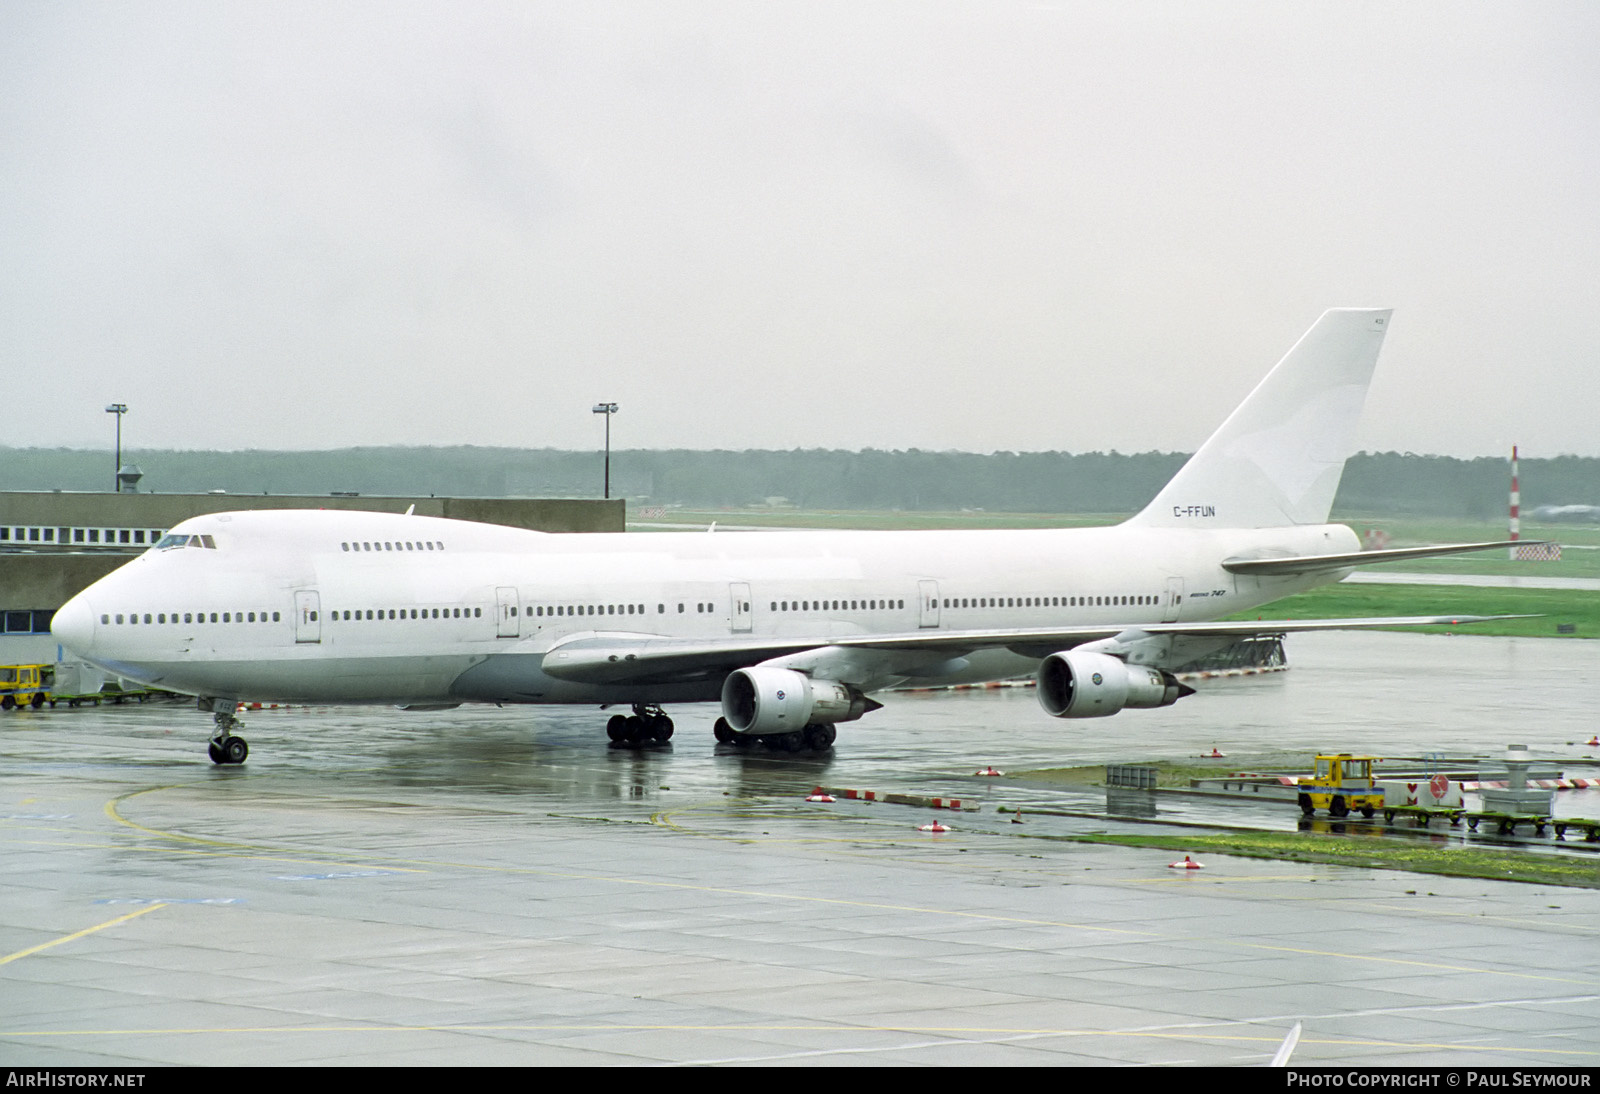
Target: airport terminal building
54, 544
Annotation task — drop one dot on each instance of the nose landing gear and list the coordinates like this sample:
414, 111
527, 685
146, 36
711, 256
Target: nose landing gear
225, 747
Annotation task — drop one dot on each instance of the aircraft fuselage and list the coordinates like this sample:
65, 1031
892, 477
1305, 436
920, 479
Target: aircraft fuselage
378, 608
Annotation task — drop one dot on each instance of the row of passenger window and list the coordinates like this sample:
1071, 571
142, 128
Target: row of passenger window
1048, 601
132, 618
836, 605
395, 545
356, 615
561, 610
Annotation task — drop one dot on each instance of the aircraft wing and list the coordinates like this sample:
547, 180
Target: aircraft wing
1310, 564
647, 659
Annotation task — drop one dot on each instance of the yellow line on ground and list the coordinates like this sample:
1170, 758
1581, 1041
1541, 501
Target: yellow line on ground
223, 848
112, 810
79, 934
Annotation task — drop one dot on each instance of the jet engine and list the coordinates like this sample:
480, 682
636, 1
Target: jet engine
1076, 684
764, 700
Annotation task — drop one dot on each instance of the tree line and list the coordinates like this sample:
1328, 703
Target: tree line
1036, 482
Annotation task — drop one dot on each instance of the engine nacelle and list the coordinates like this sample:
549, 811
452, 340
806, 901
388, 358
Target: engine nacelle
771, 700
1076, 684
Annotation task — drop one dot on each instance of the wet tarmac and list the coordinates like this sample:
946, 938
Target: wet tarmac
500, 886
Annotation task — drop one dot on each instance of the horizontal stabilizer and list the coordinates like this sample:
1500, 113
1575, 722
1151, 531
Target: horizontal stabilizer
1310, 564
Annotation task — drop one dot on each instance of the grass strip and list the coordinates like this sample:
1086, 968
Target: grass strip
1373, 853
1579, 608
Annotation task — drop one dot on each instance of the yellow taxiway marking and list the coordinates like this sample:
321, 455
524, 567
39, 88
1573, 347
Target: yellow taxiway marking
218, 848
78, 934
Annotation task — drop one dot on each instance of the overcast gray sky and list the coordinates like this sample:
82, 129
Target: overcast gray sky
947, 225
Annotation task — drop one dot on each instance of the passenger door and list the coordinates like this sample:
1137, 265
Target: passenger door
508, 624
739, 591
307, 616
928, 593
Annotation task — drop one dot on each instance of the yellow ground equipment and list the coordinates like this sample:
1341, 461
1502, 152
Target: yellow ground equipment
1342, 783
25, 686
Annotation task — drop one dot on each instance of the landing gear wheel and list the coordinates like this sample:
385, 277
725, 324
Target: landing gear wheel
790, 742
820, 738
724, 732
647, 723
225, 747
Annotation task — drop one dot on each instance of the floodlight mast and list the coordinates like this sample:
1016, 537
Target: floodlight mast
607, 409
119, 409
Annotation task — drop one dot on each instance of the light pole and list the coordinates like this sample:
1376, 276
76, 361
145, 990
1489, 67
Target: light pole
607, 409
119, 409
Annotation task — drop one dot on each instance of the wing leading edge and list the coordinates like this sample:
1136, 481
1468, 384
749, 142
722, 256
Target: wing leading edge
645, 659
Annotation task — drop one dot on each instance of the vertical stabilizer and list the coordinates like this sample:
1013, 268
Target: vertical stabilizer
1278, 458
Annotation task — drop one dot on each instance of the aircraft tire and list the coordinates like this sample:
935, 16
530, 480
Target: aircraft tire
216, 753
723, 732
820, 738
617, 727
234, 750
790, 742
662, 728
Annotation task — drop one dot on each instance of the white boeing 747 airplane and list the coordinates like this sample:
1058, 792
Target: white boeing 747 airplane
791, 631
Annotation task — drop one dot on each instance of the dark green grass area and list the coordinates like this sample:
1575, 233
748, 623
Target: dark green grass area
1373, 853
1551, 607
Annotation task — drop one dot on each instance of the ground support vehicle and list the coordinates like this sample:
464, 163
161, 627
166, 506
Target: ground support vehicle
1342, 784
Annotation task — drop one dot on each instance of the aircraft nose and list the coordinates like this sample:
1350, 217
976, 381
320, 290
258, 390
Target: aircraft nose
73, 625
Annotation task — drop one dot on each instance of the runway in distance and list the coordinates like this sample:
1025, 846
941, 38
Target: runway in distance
791, 631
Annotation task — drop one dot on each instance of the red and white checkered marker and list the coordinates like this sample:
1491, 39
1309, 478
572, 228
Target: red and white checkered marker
989, 771
821, 795
1187, 864
934, 827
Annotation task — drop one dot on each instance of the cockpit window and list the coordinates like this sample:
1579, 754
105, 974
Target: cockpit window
170, 540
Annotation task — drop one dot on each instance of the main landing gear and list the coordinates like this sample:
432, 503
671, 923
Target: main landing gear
818, 737
647, 724
225, 748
